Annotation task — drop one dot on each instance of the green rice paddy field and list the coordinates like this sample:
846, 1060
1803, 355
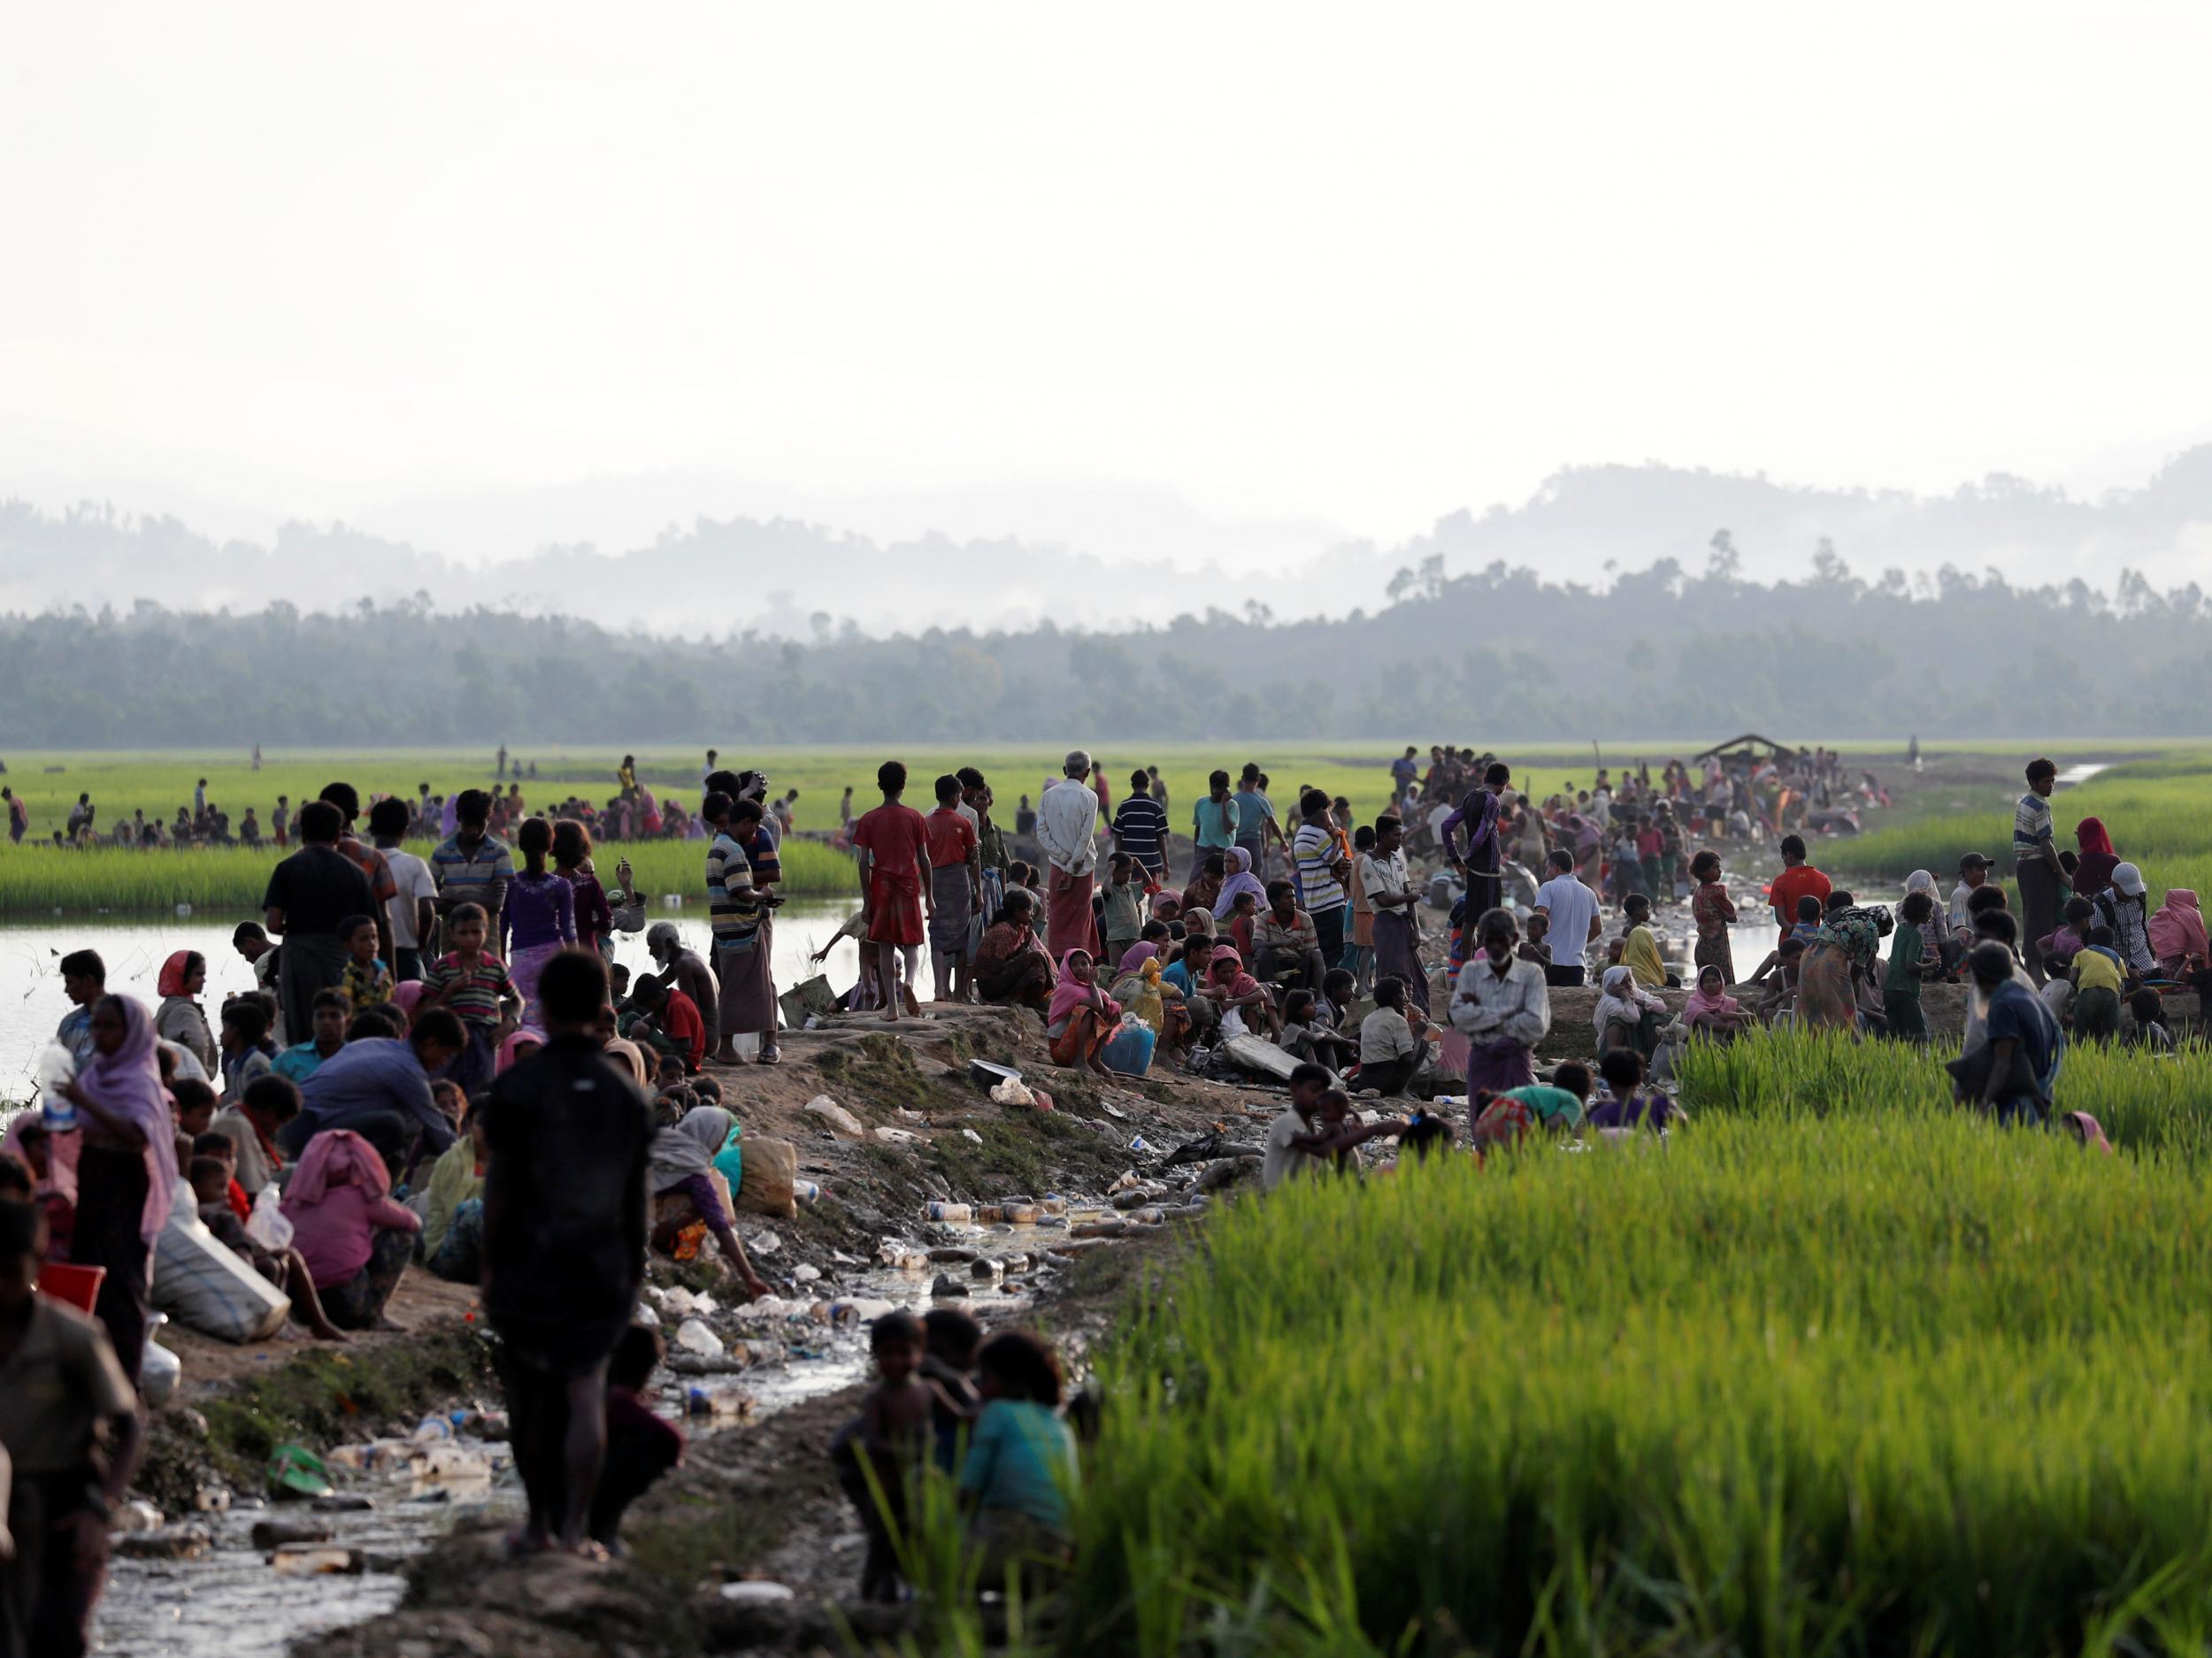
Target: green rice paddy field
2148, 802
1841, 1369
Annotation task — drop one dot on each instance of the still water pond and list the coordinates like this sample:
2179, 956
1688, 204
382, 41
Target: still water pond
32, 1002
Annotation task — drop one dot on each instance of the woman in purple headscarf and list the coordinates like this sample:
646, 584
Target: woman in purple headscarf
126, 1169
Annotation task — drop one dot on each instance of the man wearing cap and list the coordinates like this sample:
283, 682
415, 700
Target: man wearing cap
682, 970
2041, 877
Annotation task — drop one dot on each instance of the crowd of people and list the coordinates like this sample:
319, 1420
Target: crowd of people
438, 1069
634, 811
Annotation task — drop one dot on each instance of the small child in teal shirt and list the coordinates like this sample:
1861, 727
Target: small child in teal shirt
1021, 1464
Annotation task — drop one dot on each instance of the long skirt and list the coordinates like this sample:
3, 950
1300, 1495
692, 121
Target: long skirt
1498, 1066
111, 1207
1396, 956
1082, 1040
1716, 953
748, 985
954, 902
1824, 998
524, 967
1070, 924
307, 962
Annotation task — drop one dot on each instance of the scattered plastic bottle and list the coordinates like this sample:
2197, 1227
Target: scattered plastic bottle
951, 1214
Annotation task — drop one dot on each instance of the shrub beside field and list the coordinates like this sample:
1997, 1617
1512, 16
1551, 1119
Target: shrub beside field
1841, 1369
38, 880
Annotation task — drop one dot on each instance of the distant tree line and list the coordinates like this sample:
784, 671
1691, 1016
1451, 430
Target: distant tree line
1498, 654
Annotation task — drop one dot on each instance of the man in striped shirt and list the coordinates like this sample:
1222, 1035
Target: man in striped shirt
1140, 827
472, 866
1317, 853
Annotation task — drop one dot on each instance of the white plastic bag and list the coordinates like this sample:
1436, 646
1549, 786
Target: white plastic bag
204, 1285
267, 1225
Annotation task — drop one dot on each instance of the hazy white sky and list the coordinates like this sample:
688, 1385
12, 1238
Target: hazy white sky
1344, 266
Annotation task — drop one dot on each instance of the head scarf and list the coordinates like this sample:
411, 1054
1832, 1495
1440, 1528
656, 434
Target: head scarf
405, 996
336, 1158
127, 1083
61, 1153
687, 1148
1238, 983
1920, 881
2090, 836
1069, 993
1702, 1005
171, 983
1641, 957
2091, 1130
1617, 999
2177, 929
1240, 880
508, 1054
1134, 958
624, 1051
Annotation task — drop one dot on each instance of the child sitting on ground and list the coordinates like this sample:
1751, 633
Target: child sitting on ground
211, 1187
1339, 991
2148, 1029
219, 1146
1810, 915
2059, 946
1778, 974
1306, 1037
245, 1059
640, 1447
1627, 1105
1021, 1464
1639, 947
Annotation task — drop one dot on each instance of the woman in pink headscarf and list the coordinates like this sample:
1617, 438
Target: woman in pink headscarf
355, 1240
2178, 936
1711, 1009
1082, 1016
126, 1166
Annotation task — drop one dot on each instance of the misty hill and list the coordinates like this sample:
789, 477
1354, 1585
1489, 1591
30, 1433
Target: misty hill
1497, 656
787, 576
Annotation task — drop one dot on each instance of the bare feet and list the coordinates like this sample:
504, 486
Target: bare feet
726, 1055
327, 1331
755, 1287
526, 1541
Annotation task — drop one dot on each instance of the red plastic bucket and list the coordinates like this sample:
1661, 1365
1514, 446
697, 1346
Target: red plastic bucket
79, 1286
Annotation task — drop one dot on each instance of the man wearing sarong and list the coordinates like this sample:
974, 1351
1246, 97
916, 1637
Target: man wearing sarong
956, 884
1386, 885
1478, 813
1502, 1006
1067, 833
892, 843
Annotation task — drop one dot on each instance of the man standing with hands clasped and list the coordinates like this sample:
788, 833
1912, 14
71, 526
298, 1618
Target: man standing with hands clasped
1067, 832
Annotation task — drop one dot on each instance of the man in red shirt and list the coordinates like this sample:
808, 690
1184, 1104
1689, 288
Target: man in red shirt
892, 843
1798, 879
955, 887
677, 1015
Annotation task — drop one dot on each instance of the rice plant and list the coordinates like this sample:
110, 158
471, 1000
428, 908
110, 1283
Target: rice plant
1840, 1368
43, 880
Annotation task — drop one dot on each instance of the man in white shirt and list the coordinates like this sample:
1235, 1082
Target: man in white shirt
1386, 886
413, 908
1502, 1006
1570, 909
1067, 833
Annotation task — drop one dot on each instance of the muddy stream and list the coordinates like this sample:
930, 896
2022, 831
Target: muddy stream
233, 1600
